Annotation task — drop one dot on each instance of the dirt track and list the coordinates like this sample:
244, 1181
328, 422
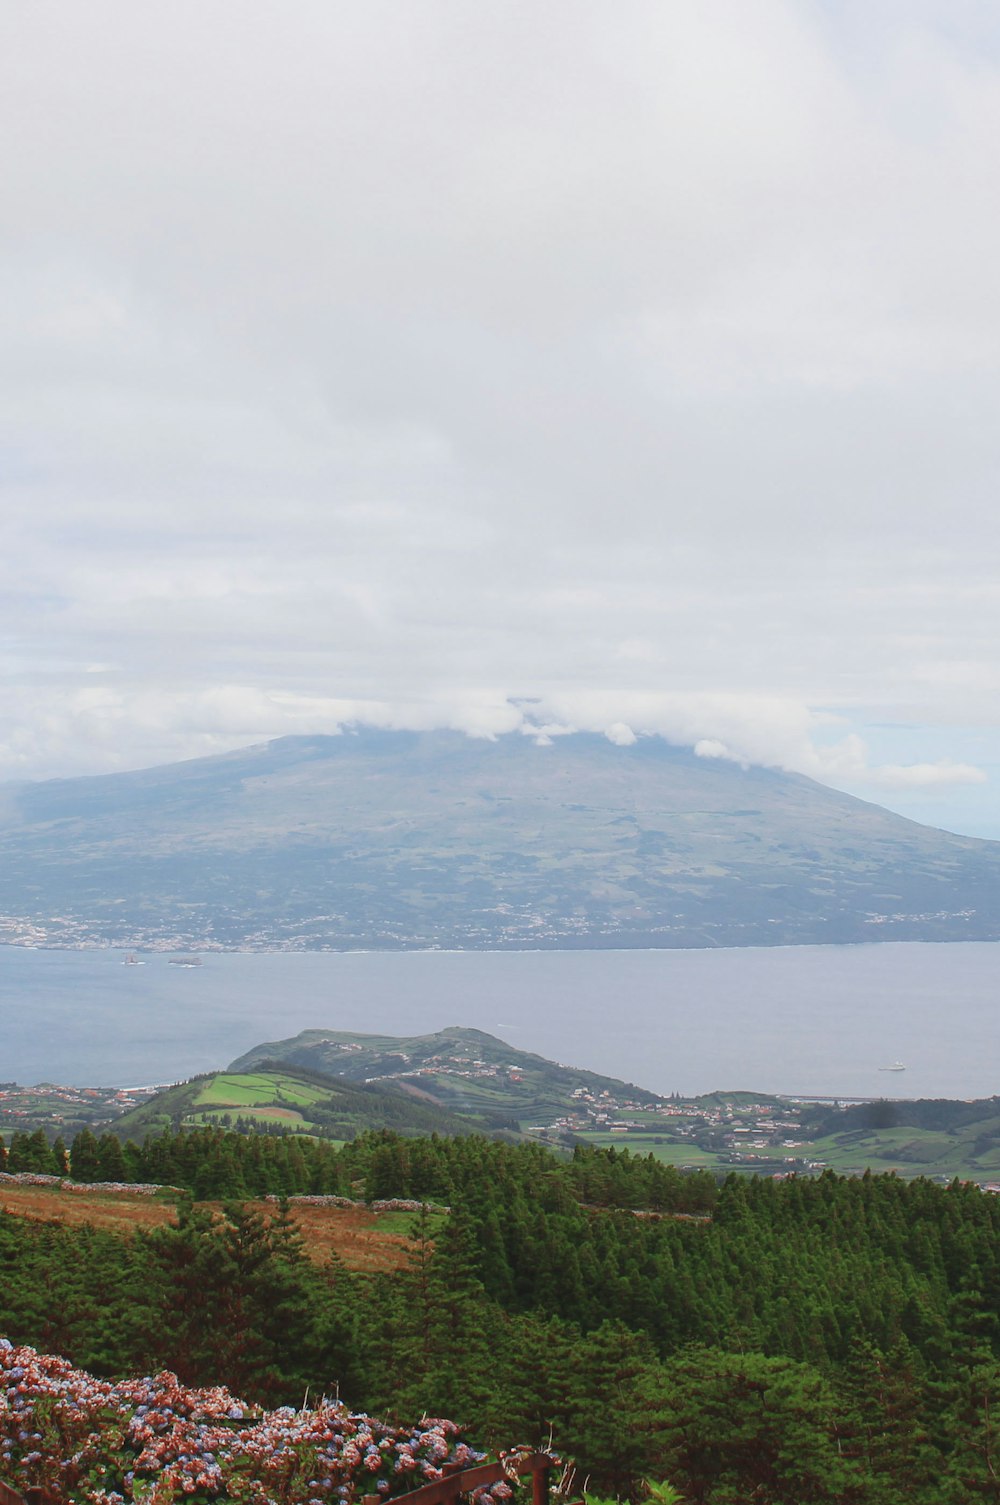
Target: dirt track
352, 1232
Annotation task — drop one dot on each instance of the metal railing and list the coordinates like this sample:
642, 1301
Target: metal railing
456, 1481
33, 1496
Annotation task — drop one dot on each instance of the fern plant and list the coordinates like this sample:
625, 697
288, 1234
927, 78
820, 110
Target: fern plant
660, 1493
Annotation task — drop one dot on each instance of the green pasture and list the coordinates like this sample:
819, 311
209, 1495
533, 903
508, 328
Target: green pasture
670, 1151
405, 1222
907, 1151
267, 1114
476, 1093
531, 1100
232, 1090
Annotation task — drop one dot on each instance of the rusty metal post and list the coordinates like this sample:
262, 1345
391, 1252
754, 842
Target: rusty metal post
539, 1486
33, 1495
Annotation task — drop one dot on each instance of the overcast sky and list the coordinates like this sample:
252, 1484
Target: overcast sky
625, 366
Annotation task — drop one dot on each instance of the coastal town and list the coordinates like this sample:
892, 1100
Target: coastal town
729, 1130
737, 1129
64, 1110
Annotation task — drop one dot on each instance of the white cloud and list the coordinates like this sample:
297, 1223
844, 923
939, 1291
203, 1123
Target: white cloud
406, 365
103, 727
759, 730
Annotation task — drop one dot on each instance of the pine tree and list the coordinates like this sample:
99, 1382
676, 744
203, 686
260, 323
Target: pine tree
616, 1416
84, 1157
236, 1301
110, 1160
447, 1352
972, 1423
883, 1424
30, 1153
748, 1427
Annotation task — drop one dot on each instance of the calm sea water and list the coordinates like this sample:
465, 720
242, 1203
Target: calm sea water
803, 1019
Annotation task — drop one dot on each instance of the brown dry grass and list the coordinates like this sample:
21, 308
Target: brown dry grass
353, 1233
350, 1232
115, 1211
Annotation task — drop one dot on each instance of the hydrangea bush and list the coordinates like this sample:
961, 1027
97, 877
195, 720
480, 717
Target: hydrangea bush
154, 1441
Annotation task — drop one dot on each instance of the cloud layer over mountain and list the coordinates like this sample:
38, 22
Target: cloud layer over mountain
567, 365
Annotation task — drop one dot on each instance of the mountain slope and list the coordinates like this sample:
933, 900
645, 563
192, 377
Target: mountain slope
285, 1098
462, 1070
396, 839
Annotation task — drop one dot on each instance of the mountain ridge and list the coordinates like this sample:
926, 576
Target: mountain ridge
462, 1070
407, 840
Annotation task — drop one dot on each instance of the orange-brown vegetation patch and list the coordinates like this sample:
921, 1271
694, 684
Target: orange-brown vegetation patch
118, 1212
353, 1233
350, 1232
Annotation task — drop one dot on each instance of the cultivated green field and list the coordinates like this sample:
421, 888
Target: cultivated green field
253, 1090
670, 1151
970, 1152
259, 1115
291, 1098
265, 1098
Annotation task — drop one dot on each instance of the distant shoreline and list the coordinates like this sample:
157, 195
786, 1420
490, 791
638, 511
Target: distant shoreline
122, 948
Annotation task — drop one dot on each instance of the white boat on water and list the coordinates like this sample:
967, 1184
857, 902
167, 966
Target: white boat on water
896, 1066
133, 961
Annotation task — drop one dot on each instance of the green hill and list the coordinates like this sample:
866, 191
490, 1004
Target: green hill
280, 1098
929, 1137
463, 1071
337, 1084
